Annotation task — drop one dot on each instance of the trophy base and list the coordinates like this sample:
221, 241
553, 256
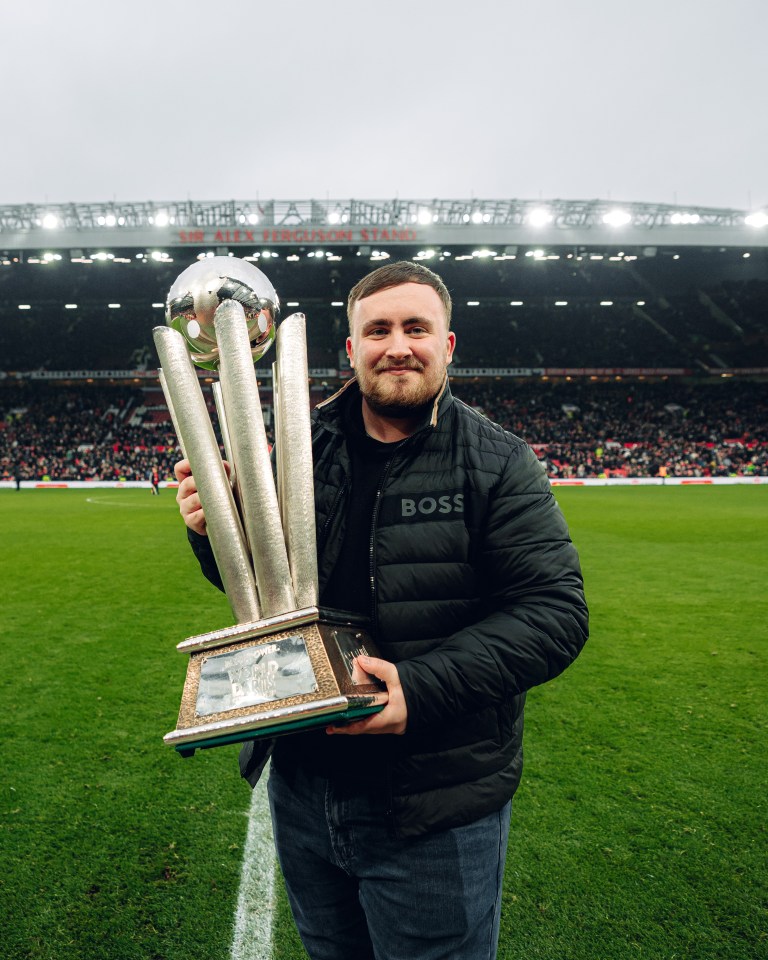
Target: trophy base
275, 677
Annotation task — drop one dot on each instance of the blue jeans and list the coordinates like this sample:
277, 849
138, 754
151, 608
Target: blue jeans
358, 894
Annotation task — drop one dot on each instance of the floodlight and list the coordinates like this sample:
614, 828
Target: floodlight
477, 217
110, 219
162, 219
334, 217
50, 221
539, 218
617, 218
759, 219
424, 216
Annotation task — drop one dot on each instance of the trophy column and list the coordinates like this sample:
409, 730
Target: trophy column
283, 666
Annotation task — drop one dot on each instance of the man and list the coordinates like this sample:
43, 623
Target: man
441, 528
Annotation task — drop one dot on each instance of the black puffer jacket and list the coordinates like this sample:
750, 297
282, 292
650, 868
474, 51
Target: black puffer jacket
477, 597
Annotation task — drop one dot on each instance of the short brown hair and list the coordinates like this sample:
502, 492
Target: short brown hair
394, 275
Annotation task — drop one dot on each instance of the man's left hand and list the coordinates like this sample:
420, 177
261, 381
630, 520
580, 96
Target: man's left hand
394, 717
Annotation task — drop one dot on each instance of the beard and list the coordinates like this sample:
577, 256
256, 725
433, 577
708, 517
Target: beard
403, 396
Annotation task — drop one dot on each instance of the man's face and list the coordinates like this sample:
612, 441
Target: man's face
400, 347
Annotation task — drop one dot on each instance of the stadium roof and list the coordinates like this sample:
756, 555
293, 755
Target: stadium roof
254, 223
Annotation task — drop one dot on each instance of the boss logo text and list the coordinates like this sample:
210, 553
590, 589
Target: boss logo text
429, 505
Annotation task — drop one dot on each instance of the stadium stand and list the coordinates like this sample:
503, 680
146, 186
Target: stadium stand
578, 429
697, 309
610, 361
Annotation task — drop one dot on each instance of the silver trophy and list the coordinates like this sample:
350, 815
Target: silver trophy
284, 665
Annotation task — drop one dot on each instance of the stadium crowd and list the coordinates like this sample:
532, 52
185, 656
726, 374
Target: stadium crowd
667, 428
579, 429
80, 434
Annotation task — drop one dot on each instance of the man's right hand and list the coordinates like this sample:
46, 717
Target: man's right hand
188, 499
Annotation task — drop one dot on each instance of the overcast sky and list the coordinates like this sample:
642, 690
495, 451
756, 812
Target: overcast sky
651, 100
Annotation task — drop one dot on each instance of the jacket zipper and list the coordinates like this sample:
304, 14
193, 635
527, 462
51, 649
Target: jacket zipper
374, 519
390, 809
332, 513
389, 812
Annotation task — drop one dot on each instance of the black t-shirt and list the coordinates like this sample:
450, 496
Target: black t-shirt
348, 588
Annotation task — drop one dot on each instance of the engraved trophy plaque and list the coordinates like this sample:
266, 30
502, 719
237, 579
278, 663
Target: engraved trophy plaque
285, 664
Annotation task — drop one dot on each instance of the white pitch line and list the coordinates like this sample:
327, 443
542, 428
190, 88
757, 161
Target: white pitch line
256, 899
112, 503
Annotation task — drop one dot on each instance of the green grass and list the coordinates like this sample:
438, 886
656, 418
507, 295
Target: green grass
639, 829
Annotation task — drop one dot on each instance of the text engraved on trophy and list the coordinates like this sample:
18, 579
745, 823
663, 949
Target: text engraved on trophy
350, 644
255, 675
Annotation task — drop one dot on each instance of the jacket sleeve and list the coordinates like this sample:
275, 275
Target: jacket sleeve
535, 616
201, 547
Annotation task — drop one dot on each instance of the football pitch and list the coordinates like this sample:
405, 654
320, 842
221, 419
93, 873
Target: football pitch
639, 830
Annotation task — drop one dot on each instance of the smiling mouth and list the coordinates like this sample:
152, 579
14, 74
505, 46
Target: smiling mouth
398, 371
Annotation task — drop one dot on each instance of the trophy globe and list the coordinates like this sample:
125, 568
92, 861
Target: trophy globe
198, 291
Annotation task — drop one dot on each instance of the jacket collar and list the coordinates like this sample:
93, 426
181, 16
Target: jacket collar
329, 411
